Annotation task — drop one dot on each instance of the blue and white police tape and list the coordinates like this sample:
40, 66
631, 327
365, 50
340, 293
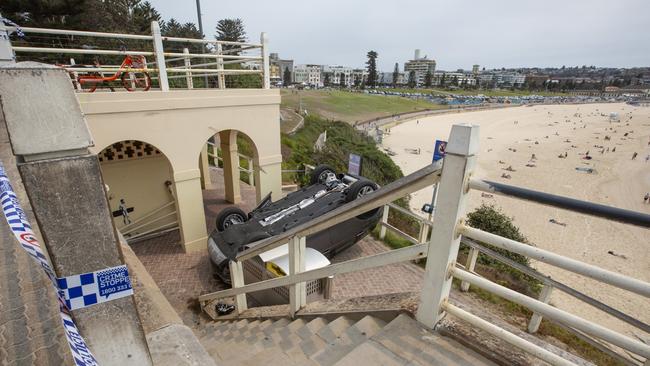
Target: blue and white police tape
80, 291
18, 223
19, 32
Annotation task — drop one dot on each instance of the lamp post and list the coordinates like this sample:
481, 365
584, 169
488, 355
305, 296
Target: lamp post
198, 14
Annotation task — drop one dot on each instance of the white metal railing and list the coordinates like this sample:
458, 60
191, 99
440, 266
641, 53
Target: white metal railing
441, 250
221, 57
250, 171
149, 223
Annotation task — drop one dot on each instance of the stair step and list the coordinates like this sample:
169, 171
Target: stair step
311, 328
269, 356
292, 327
335, 328
406, 339
276, 325
370, 353
347, 341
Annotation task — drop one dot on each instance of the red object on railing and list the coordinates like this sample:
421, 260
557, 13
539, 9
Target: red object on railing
130, 72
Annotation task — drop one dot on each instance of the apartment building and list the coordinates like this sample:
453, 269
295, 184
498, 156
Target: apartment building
421, 66
277, 67
308, 75
336, 73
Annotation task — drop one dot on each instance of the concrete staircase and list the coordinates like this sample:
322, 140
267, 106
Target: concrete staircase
342, 341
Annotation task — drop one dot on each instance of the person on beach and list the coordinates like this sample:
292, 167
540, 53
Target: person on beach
634, 155
554, 221
646, 197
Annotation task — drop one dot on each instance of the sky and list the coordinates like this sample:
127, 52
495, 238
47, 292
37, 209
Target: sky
456, 33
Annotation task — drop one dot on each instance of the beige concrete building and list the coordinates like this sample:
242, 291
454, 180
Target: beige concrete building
153, 150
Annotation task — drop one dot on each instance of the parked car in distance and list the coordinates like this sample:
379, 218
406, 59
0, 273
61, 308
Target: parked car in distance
236, 230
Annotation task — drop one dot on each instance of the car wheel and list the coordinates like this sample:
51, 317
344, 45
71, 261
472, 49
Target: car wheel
359, 189
320, 174
230, 216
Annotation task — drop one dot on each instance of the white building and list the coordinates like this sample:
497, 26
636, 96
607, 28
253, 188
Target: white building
421, 66
336, 73
359, 74
460, 78
386, 78
307, 75
504, 79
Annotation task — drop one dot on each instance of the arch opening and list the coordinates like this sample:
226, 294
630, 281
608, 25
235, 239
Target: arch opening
139, 179
229, 164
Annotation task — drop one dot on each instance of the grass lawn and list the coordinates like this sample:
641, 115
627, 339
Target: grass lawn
351, 107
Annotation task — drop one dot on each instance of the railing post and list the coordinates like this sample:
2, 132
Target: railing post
298, 291
160, 56
266, 78
6, 52
424, 231
472, 256
188, 74
237, 280
536, 319
75, 76
251, 173
445, 240
221, 78
384, 220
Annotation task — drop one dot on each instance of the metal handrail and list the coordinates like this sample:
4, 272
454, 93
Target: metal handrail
413, 182
567, 203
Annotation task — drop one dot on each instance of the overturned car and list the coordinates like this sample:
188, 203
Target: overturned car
235, 229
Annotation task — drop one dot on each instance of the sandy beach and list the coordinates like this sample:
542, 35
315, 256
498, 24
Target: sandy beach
510, 137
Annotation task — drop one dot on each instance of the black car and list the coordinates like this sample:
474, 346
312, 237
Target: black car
327, 191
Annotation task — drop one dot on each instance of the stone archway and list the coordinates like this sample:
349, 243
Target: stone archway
139, 175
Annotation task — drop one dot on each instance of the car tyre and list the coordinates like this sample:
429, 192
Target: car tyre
320, 173
359, 189
230, 216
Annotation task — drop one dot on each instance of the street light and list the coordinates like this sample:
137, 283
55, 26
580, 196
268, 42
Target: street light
198, 14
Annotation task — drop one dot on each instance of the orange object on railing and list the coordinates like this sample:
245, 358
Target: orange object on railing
129, 72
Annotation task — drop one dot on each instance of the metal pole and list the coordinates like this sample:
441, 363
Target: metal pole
198, 15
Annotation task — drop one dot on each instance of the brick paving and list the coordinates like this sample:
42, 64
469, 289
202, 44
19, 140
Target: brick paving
394, 278
183, 277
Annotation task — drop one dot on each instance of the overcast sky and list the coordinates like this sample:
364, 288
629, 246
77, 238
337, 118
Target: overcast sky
456, 33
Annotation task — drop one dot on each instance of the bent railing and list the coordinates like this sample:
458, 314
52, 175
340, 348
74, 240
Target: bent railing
222, 53
447, 231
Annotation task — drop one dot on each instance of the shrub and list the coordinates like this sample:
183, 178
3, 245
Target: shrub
494, 221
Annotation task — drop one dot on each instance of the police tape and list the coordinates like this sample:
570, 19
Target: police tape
21, 228
80, 291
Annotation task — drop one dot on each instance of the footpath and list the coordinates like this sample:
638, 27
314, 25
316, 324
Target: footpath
397, 119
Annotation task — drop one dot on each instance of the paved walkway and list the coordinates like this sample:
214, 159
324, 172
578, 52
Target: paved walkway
399, 277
